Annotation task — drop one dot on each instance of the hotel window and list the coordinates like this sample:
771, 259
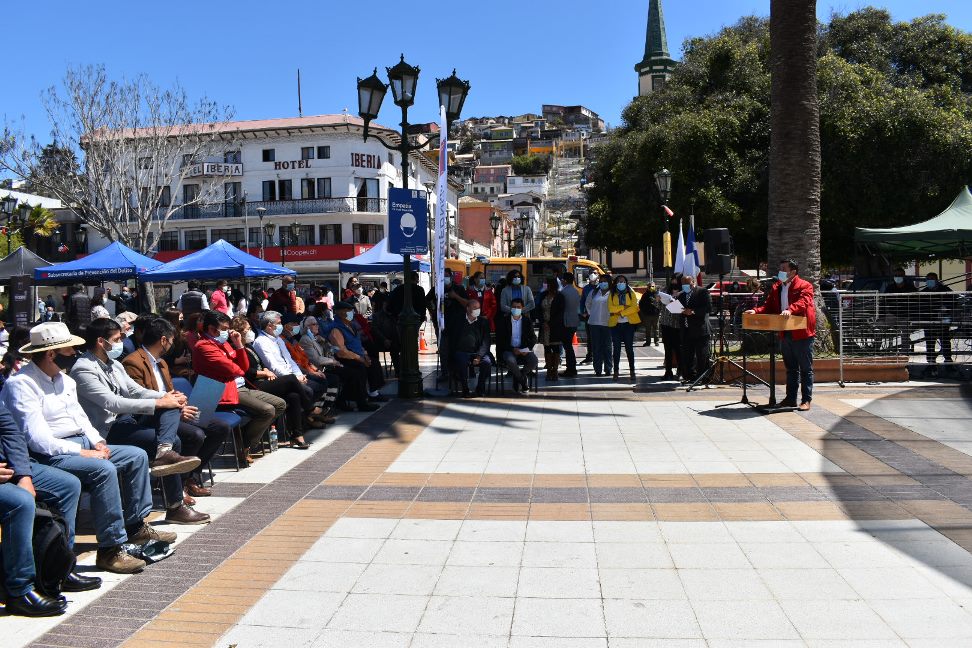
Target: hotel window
285, 189
307, 153
323, 152
169, 241
186, 159
269, 155
330, 234
368, 234
256, 235
232, 157
233, 236
269, 190
195, 239
145, 163
305, 237
166, 198
323, 187
308, 188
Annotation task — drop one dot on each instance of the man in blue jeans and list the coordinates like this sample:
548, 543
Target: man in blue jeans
133, 415
44, 405
21, 481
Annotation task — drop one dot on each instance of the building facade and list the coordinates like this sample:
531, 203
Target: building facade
313, 172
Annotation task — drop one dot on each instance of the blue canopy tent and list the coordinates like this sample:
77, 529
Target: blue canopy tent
116, 262
378, 260
221, 260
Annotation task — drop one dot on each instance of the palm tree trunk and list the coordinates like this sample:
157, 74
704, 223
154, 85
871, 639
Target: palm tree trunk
794, 161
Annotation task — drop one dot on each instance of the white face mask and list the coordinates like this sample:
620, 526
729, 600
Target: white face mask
116, 350
223, 337
476, 313
249, 337
263, 304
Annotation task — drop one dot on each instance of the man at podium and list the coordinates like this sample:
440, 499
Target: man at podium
792, 295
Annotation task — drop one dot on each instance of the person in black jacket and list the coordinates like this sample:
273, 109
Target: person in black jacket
648, 308
550, 308
937, 305
21, 481
469, 341
696, 329
515, 339
77, 310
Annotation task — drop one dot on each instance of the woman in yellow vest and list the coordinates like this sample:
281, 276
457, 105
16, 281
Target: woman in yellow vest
623, 320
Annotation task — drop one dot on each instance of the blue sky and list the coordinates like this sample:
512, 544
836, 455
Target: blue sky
245, 53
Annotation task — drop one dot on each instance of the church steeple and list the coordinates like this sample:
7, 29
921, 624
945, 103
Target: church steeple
656, 67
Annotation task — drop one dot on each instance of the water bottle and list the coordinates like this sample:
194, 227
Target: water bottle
273, 438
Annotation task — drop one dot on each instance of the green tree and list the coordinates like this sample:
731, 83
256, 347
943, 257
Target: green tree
895, 130
531, 164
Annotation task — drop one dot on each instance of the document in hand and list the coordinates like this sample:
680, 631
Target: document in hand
675, 307
205, 396
665, 298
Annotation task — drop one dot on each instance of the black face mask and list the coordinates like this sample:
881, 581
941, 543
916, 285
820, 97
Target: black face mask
65, 362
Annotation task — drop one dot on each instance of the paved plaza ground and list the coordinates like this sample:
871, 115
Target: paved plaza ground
592, 514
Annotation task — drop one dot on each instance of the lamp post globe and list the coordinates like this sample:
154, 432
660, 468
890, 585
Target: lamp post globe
371, 93
663, 180
452, 94
403, 79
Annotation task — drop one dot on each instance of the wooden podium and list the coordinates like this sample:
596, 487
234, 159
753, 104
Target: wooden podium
778, 324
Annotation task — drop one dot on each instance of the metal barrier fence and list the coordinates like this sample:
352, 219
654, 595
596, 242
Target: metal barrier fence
930, 332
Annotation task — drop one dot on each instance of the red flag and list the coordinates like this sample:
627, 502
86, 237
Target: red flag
668, 212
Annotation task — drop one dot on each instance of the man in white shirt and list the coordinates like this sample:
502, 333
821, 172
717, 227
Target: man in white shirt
272, 350
44, 404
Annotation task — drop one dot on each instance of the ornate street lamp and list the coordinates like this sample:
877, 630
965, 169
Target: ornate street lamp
261, 212
403, 80
663, 180
494, 222
268, 231
81, 241
524, 223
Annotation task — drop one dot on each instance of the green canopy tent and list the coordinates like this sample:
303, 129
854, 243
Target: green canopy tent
948, 235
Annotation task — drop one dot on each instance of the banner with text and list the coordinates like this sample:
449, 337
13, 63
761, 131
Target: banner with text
441, 215
407, 233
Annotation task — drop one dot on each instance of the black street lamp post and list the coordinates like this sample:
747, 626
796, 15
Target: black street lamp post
494, 222
265, 231
16, 217
403, 79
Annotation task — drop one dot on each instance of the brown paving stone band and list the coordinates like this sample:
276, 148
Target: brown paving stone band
259, 524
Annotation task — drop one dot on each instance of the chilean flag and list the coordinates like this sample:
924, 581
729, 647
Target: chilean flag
690, 266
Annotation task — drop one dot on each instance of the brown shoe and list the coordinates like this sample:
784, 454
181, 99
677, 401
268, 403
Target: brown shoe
113, 559
804, 407
195, 489
188, 500
148, 533
183, 514
172, 463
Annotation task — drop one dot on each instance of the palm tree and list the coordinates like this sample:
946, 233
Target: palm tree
794, 160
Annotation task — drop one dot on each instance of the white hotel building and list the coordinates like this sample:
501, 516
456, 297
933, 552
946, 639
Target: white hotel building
316, 171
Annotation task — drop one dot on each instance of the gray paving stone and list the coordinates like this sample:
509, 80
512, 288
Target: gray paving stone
511, 495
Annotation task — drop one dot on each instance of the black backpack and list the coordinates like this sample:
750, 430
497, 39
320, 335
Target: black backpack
53, 558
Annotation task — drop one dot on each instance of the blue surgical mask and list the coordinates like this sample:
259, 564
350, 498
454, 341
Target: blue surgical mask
295, 330
481, 283
278, 330
349, 316
930, 283
516, 311
603, 285
899, 280
223, 337
782, 275
686, 288
117, 349
622, 287
517, 281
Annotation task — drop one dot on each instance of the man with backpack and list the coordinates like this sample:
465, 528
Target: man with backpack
32, 581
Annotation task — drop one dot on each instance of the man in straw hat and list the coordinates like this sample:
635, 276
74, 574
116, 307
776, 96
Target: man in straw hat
44, 404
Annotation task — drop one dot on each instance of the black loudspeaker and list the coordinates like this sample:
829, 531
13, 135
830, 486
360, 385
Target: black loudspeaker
718, 251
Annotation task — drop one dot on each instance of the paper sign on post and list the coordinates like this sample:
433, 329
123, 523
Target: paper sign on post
675, 307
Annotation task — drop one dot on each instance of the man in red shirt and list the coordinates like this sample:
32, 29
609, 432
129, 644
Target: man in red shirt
219, 355
485, 296
284, 299
792, 295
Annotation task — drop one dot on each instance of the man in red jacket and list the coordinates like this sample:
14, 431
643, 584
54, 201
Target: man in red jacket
219, 355
792, 295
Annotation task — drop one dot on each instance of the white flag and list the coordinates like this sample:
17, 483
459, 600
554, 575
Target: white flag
679, 249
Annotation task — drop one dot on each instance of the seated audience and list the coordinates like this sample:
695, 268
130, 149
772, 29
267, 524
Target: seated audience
133, 415
44, 405
353, 358
219, 355
147, 368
